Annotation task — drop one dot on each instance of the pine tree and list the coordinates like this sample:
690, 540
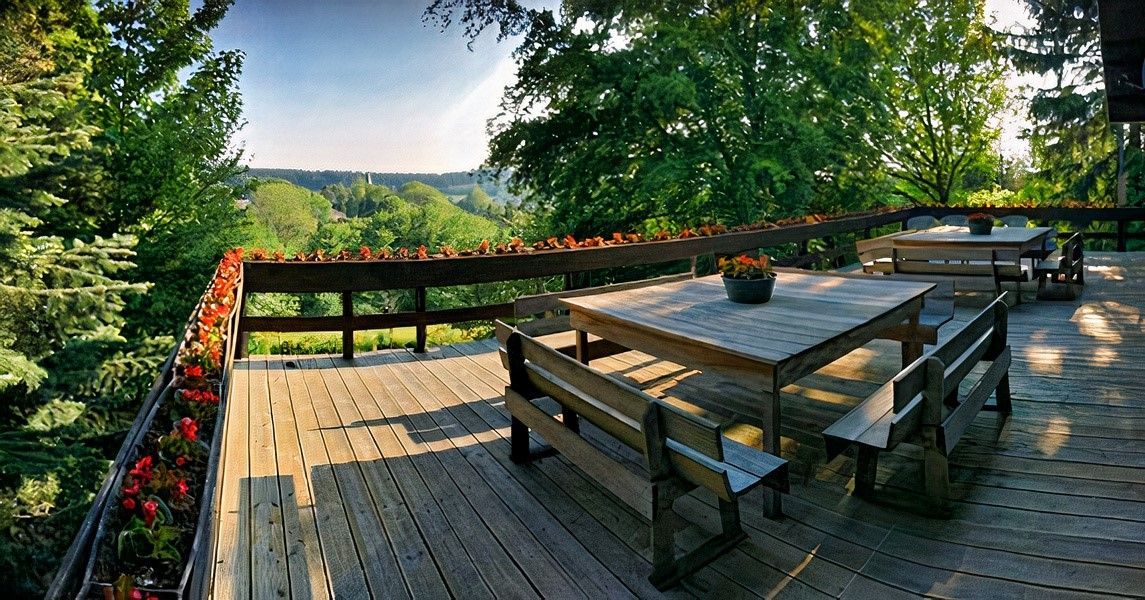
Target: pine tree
1074, 148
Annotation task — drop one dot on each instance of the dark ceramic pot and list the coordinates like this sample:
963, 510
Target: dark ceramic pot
981, 227
750, 291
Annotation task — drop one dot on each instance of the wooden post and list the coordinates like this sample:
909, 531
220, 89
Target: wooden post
419, 306
242, 346
1122, 232
348, 325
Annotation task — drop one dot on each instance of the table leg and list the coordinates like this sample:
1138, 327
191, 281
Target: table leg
911, 349
772, 444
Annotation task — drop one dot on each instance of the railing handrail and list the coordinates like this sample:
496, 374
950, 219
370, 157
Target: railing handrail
349, 276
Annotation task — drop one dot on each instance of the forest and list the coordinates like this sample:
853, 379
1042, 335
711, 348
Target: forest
121, 187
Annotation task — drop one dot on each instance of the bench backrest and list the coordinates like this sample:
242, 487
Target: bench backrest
875, 249
957, 261
922, 389
1072, 251
660, 431
536, 304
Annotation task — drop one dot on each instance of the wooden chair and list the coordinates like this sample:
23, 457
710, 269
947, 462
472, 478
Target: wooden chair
682, 451
922, 222
1015, 220
1062, 274
956, 220
922, 404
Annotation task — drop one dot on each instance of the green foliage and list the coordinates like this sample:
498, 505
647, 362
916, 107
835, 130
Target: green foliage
945, 92
1076, 154
285, 216
629, 111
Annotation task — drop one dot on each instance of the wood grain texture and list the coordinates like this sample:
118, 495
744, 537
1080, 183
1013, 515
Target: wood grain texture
1049, 504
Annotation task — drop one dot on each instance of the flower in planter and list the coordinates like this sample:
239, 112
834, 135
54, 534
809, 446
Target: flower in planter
193, 371
150, 509
142, 470
129, 504
980, 217
746, 267
188, 428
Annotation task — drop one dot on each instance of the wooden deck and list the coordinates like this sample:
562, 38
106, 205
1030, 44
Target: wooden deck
388, 476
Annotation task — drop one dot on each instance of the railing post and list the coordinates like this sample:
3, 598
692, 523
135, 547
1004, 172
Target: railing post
242, 345
419, 306
1122, 234
348, 325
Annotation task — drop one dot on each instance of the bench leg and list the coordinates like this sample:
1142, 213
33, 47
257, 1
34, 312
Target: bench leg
936, 472
667, 568
663, 535
866, 467
518, 442
1002, 395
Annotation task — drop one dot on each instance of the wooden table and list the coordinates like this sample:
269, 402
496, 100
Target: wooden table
811, 321
949, 236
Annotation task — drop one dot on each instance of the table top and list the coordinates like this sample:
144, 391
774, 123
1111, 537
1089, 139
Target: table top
949, 234
805, 312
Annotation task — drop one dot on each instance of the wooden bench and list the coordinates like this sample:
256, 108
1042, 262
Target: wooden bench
1062, 274
965, 265
875, 254
547, 324
923, 404
682, 451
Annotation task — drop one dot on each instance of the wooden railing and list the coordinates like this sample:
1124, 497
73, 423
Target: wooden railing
350, 277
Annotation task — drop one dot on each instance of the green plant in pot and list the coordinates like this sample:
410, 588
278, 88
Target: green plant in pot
980, 223
748, 280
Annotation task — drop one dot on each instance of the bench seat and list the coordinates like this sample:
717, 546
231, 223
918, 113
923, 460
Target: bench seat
924, 405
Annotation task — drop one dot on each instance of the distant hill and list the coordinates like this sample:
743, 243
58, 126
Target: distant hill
457, 184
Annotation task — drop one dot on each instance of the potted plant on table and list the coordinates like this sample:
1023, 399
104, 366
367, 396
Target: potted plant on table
748, 280
980, 223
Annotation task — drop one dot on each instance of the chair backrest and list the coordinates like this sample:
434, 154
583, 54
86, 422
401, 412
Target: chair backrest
957, 220
921, 222
983, 338
1015, 220
663, 433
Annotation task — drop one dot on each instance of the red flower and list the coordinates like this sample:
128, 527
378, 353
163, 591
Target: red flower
132, 490
180, 488
129, 503
136, 594
188, 428
149, 509
180, 460
193, 371
142, 470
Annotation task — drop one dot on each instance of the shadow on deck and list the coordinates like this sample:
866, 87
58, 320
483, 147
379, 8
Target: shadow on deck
388, 476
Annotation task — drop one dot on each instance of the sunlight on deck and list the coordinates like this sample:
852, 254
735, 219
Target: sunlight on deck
389, 476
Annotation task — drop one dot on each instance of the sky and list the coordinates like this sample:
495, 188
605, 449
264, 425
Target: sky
365, 85
362, 85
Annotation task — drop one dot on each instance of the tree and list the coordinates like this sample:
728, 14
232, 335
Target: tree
285, 215
946, 92
1076, 152
629, 111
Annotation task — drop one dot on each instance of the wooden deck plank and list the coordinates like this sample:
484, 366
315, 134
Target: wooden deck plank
368, 534
429, 549
493, 506
340, 559
269, 576
571, 497
414, 559
232, 550
307, 570
1049, 503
